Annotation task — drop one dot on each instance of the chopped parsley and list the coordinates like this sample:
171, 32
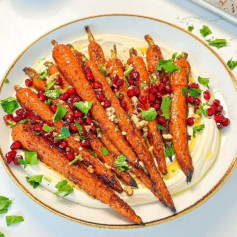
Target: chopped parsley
143, 85
64, 134
121, 163
169, 151
218, 43
232, 64
79, 127
75, 160
190, 28
95, 122
153, 78
168, 66
93, 154
128, 71
35, 180
205, 31
160, 127
50, 84
102, 70
9, 105
175, 56
5, 203
43, 75
198, 129
149, 114
6, 80
117, 94
47, 128
10, 220
84, 106
165, 106
60, 113
104, 151
54, 94
48, 102
63, 187
1, 234
194, 92
31, 158
203, 81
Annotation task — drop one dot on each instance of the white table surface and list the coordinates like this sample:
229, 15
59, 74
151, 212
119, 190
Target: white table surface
21, 22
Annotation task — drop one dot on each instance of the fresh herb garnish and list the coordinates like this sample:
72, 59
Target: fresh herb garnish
48, 102
95, 122
190, 28
203, 81
218, 43
47, 128
126, 81
128, 71
63, 187
54, 94
43, 75
64, 134
175, 56
194, 92
165, 106
162, 128
97, 131
198, 129
84, 106
168, 66
10, 220
143, 85
50, 84
60, 113
104, 151
121, 163
5, 203
153, 78
93, 154
79, 127
169, 151
31, 158
47, 179
9, 105
1, 234
75, 160
117, 94
103, 71
184, 91
149, 114
6, 80
205, 31
202, 110
35, 180
232, 64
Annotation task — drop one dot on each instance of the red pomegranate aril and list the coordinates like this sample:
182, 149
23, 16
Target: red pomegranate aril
130, 93
168, 89
143, 99
78, 113
197, 101
20, 112
219, 118
121, 97
25, 115
41, 96
10, 156
136, 91
18, 157
219, 109
159, 112
72, 106
226, 122
206, 95
93, 129
165, 79
63, 145
87, 70
89, 121
216, 102
48, 134
154, 86
115, 79
70, 155
152, 97
161, 120
71, 91
83, 133
70, 118
17, 118
76, 99
79, 120
85, 143
159, 96
190, 121
59, 81
140, 106
123, 104
107, 104
37, 128
161, 88
101, 97
156, 106
30, 115
8, 117
130, 81
53, 108
135, 75
15, 145
55, 142
64, 96
193, 85
213, 107
90, 77
28, 82
219, 125
196, 108
153, 90
35, 119
119, 83
73, 127
191, 99
97, 85
210, 111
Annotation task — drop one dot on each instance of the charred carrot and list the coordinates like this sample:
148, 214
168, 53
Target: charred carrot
179, 112
78, 174
154, 135
29, 100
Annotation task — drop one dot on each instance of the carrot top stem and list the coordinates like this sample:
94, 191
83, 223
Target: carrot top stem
89, 34
149, 40
133, 52
54, 42
114, 52
30, 72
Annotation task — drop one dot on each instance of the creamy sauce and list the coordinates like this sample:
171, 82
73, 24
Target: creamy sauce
203, 149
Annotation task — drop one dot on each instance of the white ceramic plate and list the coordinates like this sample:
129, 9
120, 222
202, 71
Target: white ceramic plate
170, 36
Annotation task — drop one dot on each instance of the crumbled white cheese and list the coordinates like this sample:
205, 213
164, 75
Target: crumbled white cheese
167, 136
110, 112
139, 123
145, 131
124, 133
90, 169
80, 148
128, 190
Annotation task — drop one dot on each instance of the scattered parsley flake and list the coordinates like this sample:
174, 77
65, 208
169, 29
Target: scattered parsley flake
1, 234
9, 105
104, 151
153, 78
128, 71
35, 180
190, 28
10, 220
47, 128
50, 84
194, 92
43, 75
205, 31
169, 151
160, 127
84, 106
117, 94
5, 203
64, 134
93, 154
102, 70
203, 81
149, 114
121, 163
6, 80
60, 113
75, 160
184, 91
95, 122
63, 187
165, 106
54, 94
198, 129
168, 66
79, 127
143, 85
232, 64
48, 102
218, 43
175, 56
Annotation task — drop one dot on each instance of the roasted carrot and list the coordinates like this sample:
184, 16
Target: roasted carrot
29, 100
38, 84
78, 55
78, 174
179, 112
154, 134
94, 49
73, 72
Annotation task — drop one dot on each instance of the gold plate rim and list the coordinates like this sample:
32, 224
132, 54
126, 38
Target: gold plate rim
122, 226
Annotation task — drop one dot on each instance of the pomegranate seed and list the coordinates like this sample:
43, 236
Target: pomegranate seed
56, 141
15, 145
97, 85
193, 85
191, 100
190, 121
219, 118
71, 91
18, 157
219, 125
143, 99
156, 106
25, 114
115, 79
8, 117
41, 96
76, 99
152, 98
165, 79
37, 128
70, 155
87, 70
48, 135
206, 95
20, 112
79, 120
121, 97
154, 86
53, 108
197, 101
63, 145
28, 82
17, 118
159, 112
131, 93
210, 111
168, 89
216, 102
73, 127
59, 81
90, 77
136, 91
161, 88
161, 120
78, 113
64, 96
123, 104
226, 122
119, 83
10, 156
219, 109
35, 120
89, 121
30, 115
196, 108
83, 133
107, 104
153, 90
72, 106
159, 96
101, 97
140, 106
213, 107
130, 81
85, 143
70, 118
135, 75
